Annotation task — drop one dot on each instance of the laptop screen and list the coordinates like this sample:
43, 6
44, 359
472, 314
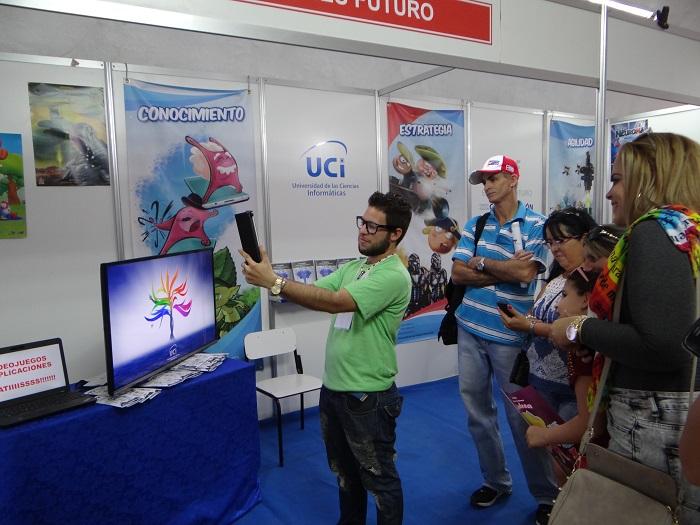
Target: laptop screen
31, 368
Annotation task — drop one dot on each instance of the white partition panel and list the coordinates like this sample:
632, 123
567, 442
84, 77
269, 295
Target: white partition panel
321, 153
686, 121
512, 132
50, 281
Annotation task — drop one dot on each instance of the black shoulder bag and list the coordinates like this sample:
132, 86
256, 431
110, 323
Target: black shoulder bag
455, 294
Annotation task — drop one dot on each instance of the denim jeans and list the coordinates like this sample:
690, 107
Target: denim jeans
479, 362
359, 431
646, 427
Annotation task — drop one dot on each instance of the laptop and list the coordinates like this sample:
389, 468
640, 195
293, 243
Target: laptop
223, 196
34, 382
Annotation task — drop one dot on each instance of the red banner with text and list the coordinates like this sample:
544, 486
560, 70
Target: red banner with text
463, 19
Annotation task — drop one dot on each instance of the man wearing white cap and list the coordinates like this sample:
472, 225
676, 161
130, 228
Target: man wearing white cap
501, 268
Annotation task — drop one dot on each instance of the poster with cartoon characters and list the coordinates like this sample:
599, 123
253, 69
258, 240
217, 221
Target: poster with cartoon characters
426, 166
69, 135
13, 218
571, 165
191, 164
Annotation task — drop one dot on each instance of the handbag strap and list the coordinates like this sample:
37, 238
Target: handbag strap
617, 305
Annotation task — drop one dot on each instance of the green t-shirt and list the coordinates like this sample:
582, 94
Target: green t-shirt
363, 358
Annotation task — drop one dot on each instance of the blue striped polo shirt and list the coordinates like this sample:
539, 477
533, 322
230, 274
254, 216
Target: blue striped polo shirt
478, 313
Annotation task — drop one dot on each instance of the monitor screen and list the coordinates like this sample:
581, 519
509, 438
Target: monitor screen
156, 312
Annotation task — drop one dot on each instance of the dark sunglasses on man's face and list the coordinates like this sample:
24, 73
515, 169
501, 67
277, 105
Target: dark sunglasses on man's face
370, 226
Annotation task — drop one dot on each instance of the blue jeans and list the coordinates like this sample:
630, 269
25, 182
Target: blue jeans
359, 431
479, 362
646, 427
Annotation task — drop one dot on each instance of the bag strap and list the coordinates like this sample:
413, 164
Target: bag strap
479, 228
455, 292
588, 435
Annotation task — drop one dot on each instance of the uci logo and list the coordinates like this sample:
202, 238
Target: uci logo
327, 157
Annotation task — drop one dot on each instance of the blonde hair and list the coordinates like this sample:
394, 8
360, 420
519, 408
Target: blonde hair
659, 169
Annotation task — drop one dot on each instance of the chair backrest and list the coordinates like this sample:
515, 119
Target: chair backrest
270, 342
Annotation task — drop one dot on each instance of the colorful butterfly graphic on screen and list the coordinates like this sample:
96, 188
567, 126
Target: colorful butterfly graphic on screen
165, 300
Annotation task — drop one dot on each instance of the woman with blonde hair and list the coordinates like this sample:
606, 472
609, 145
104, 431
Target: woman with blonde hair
655, 193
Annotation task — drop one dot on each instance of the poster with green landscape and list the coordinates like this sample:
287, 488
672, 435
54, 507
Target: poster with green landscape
13, 223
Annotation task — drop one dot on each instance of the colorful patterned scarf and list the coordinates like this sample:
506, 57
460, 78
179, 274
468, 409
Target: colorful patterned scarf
683, 229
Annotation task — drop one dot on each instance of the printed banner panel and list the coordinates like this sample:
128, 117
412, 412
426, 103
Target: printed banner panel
426, 166
13, 207
571, 166
625, 132
464, 19
321, 151
191, 160
69, 135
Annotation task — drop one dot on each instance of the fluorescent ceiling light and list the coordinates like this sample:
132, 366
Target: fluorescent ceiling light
637, 11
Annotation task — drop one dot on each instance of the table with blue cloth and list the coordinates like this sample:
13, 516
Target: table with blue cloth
189, 456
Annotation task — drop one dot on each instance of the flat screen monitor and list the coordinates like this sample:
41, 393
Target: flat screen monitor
156, 311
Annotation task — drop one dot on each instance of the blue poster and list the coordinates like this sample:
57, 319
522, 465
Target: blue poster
625, 132
571, 166
191, 160
426, 166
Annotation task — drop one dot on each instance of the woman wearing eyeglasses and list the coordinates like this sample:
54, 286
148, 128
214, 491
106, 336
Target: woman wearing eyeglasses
564, 233
655, 193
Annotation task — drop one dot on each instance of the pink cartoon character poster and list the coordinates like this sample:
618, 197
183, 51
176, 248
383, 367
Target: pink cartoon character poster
191, 160
13, 223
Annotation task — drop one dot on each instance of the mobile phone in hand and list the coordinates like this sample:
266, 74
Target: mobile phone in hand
691, 341
246, 231
504, 308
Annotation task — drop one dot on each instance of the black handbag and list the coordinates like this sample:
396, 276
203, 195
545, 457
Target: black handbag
455, 293
521, 367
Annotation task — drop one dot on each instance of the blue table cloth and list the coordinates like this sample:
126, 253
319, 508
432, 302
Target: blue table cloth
189, 456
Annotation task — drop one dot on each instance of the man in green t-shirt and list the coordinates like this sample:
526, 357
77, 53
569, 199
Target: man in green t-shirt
359, 401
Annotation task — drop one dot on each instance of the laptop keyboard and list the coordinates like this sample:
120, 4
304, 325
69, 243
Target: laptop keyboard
44, 405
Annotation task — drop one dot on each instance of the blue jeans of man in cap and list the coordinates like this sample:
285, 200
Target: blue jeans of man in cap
359, 431
479, 362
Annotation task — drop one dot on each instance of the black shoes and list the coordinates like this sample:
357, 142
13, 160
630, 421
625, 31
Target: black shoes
542, 514
486, 496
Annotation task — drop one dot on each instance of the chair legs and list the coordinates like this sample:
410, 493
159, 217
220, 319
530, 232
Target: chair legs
278, 409
279, 432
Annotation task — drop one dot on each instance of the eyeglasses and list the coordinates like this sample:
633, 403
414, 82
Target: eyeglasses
559, 242
599, 232
370, 226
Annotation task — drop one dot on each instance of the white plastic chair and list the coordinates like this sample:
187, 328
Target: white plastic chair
278, 342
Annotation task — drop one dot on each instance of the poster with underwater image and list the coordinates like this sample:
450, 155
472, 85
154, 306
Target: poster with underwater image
571, 165
69, 135
426, 167
191, 167
13, 222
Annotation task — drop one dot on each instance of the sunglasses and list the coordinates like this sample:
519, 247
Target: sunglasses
598, 232
582, 273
